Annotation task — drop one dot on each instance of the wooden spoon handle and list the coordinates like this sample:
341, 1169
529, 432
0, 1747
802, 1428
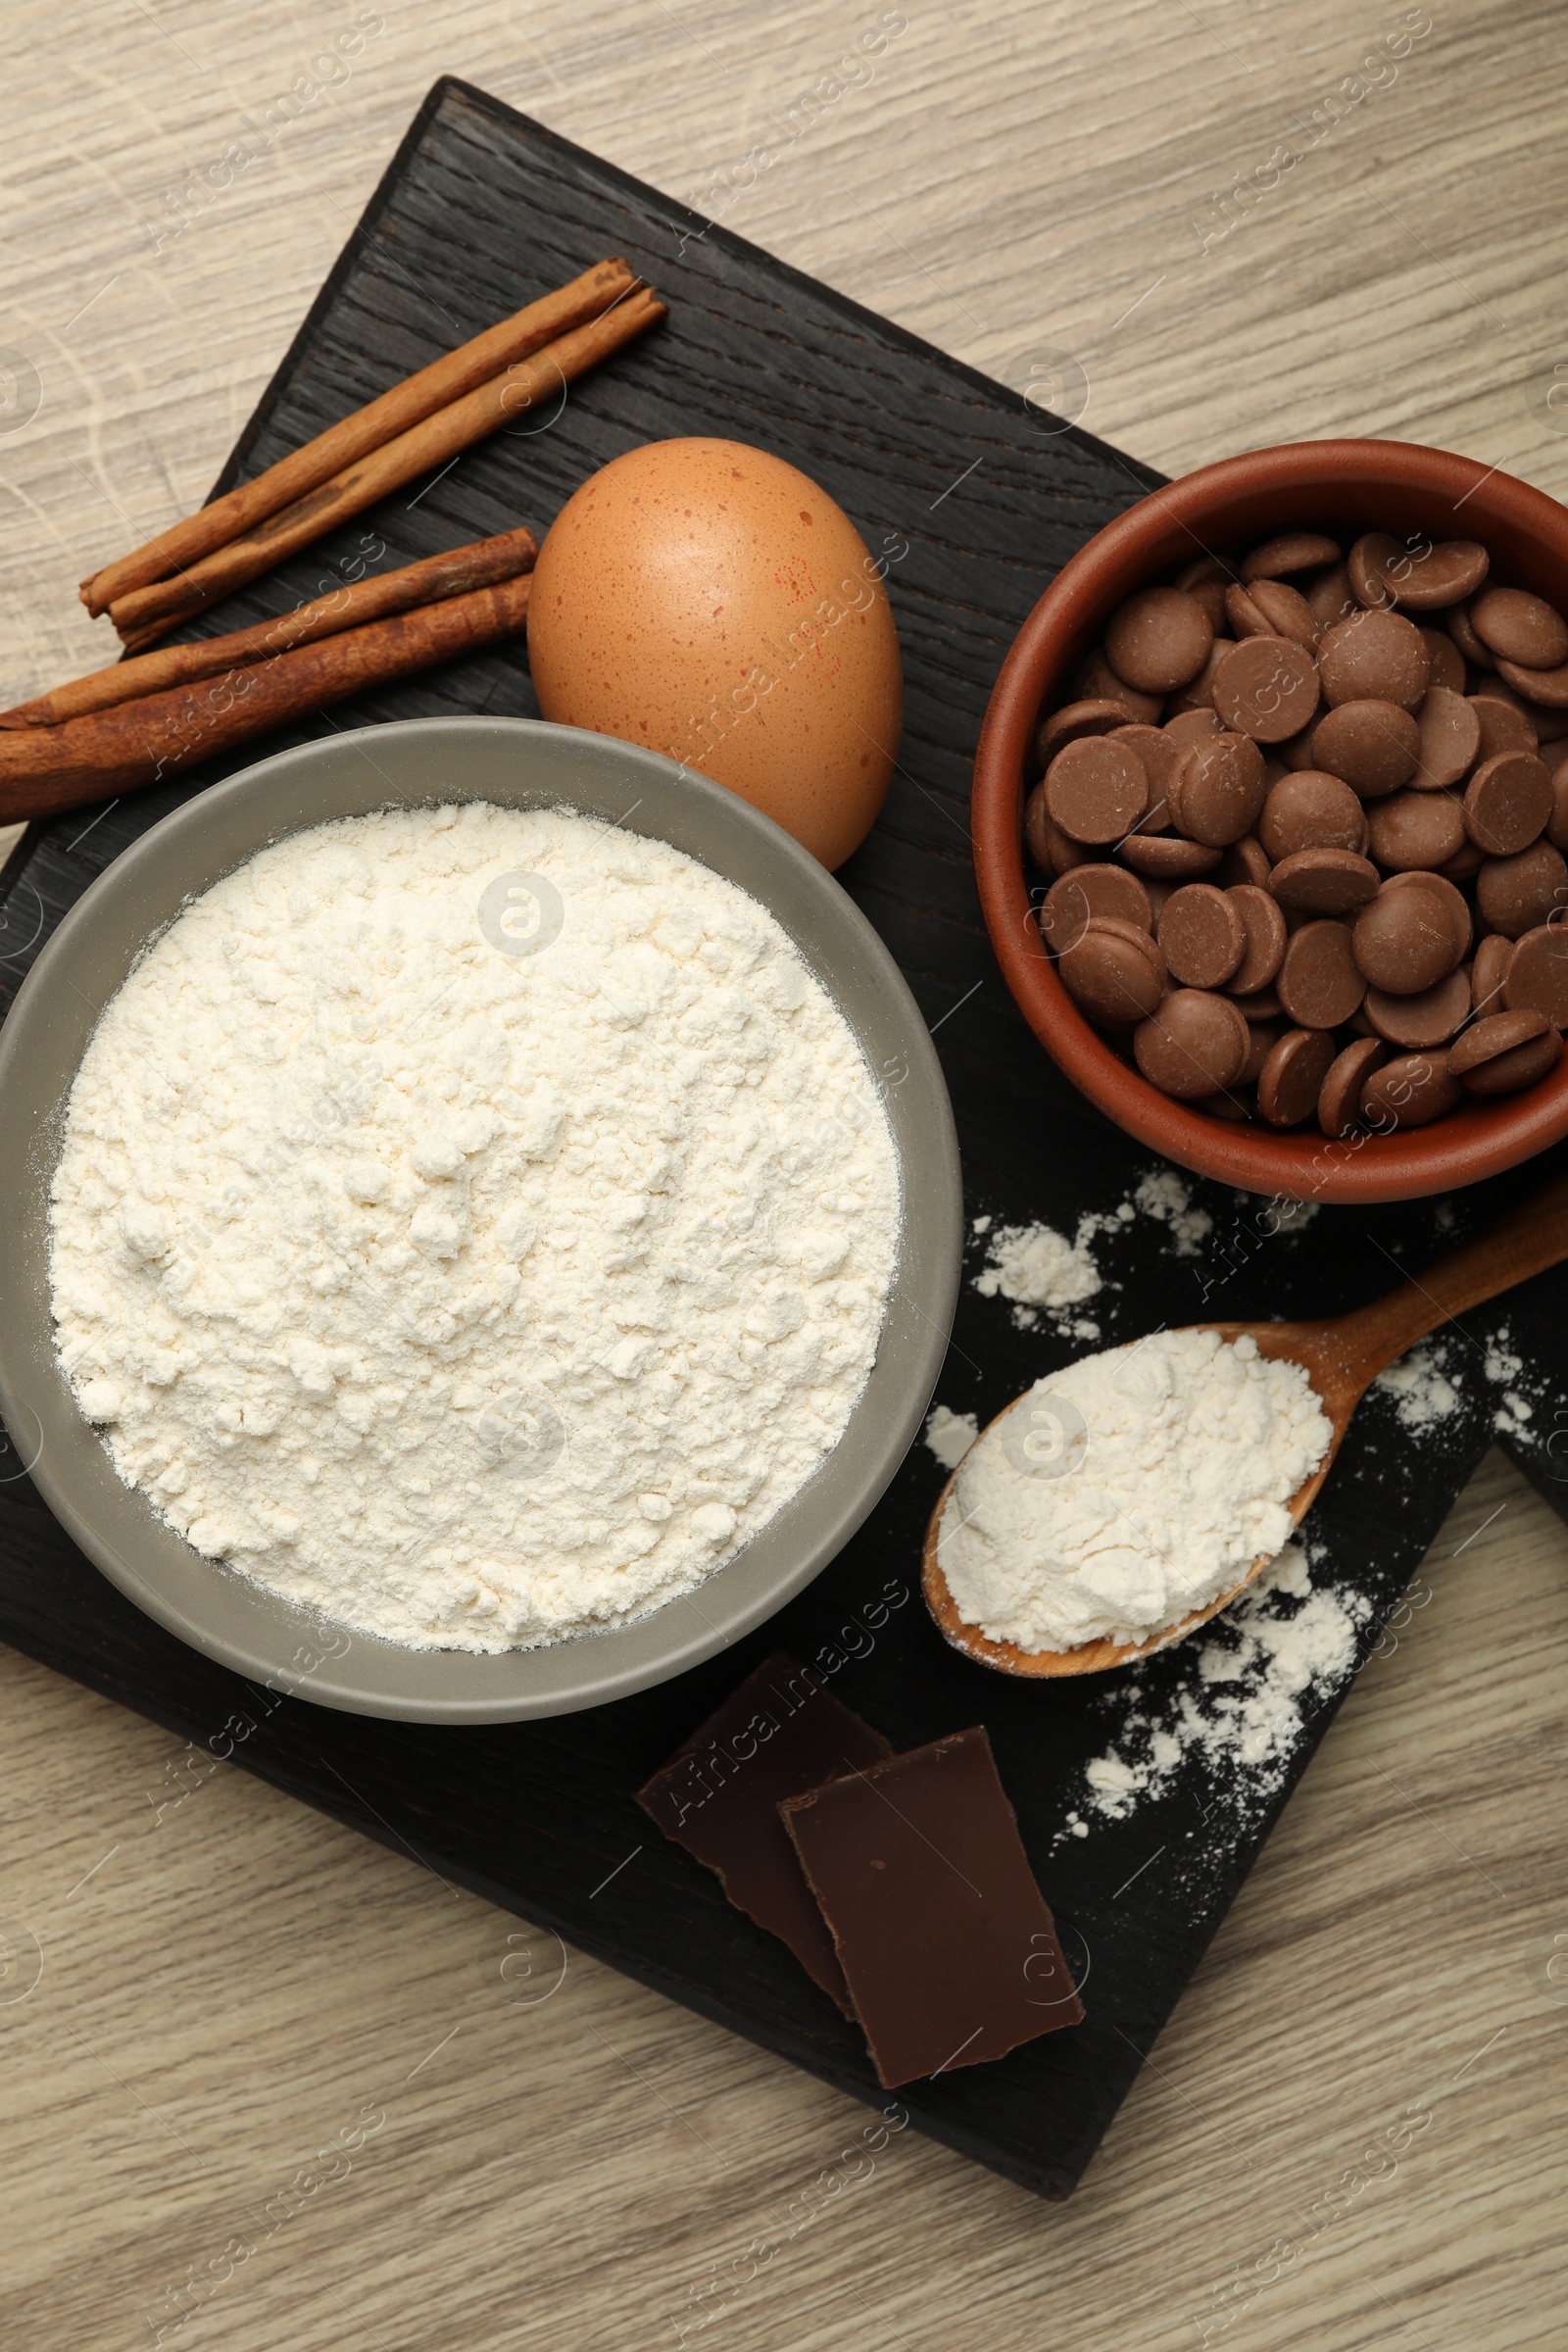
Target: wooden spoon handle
1525, 1242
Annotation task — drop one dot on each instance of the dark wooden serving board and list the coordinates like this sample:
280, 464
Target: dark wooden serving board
953, 478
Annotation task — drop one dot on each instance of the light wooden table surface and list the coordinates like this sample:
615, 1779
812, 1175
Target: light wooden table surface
548, 2159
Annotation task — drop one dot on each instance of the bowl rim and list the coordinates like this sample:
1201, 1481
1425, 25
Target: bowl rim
247, 1627
1150, 537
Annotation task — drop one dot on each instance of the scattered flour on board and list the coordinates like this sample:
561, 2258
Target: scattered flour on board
1425, 1385
1163, 1194
1420, 1385
1044, 1273
1505, 1370
1291, 1217
1039, 1268
1260, 1672
949, 1436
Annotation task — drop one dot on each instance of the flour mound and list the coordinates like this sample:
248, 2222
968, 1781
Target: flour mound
1162, 1474
476, 1290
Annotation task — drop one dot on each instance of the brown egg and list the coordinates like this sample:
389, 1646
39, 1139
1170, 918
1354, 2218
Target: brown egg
707, 601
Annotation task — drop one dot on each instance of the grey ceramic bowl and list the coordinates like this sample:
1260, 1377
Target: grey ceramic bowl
516, 764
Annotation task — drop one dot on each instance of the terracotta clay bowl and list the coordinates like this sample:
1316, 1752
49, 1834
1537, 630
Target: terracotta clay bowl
1341, 486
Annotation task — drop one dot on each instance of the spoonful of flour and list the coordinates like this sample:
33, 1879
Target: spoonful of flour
1120, 1494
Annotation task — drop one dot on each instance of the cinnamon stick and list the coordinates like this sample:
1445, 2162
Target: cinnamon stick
529, 383
352, 437
163, 736
432, 578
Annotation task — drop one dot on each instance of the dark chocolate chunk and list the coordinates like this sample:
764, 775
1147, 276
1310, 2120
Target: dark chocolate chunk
948, 1948
780, 1733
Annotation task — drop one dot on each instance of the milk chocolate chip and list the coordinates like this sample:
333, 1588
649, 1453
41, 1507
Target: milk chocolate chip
1195, 1044
1428, 1019
1096, 682
1421, 577
1409, 1092
1291, 1078
1442, 575
1498, 1033
1204, 934
1187, 727
1049, 849
1367, 564
1549, 686
1074, 900
1521, 627
1376, 747
1294, 755
1338, 1104
1504, 726
1449, 729
1218, 790
1247, 860
1292, 551
1456, 620
1549, 719
1244, 617
1318, 983
1114, 971
1159, 756
1158, 640
1448, 662
1458, 906
1374, 657
1405, 940
1266, 687
1264, 926
1507, 802
1330, 597
1312, 810
1201, 569
1515, 894
1200, 693
1210, 594
1166, 857
1536, 978
1071, 721
1095, 789
1504, 1052
1415, 828
1489, 972
1265, 1036
1285, 612
1324, 881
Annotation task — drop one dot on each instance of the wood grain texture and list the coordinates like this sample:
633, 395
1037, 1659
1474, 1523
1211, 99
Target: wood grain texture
1010, 181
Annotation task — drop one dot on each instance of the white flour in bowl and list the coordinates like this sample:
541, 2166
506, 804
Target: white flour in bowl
473, 1223
1125, 1491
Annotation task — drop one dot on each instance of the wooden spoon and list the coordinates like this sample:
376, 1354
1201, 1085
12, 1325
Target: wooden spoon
1342, 1355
